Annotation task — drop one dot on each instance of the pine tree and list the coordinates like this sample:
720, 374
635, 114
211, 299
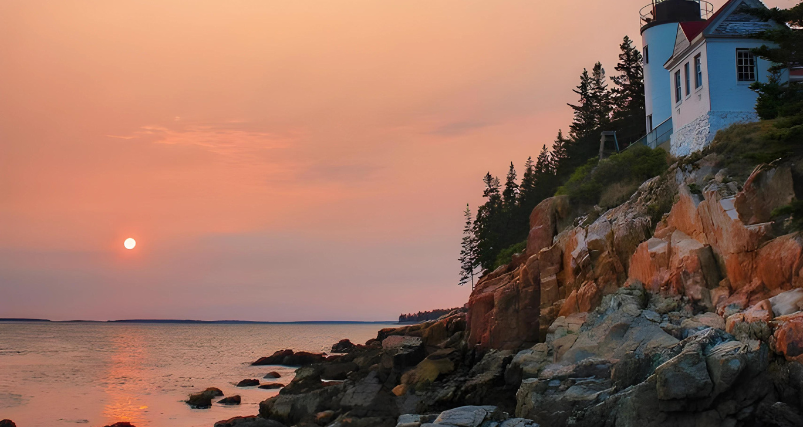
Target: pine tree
629, 116
775, 97
510, 195
591, 115
490, 223
559, 158
468, 251
600, 97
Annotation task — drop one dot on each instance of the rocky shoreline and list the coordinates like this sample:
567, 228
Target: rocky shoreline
680, 307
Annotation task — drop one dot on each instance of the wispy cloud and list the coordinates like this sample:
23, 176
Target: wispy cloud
458, 128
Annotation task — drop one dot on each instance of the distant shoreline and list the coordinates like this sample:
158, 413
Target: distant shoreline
223, 322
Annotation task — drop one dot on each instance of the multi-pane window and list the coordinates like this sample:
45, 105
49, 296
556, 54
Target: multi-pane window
745, 66
698, 72
646, 54
688, 78
678, 87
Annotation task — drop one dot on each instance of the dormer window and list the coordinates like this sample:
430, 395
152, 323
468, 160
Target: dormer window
745, 66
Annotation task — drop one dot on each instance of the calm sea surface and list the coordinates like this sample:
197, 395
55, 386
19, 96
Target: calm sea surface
94, 374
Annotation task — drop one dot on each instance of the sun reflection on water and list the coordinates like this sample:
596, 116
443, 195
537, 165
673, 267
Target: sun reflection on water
124, 378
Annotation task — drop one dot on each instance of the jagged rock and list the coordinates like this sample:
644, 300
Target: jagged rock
363, 393
504, 312
788, 302
543, 223
291, 409
528, 364
789, 338
291, 358
766, 189
231, 400
778, 263
468, 416
248, 422
426, 372
339, 370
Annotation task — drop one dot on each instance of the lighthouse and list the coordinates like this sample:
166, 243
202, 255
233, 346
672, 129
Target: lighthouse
660, 21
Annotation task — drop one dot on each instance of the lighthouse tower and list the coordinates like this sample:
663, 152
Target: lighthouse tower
658, 32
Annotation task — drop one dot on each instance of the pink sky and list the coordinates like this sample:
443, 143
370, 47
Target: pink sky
275, 160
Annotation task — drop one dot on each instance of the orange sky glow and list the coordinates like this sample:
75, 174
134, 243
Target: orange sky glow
274, 160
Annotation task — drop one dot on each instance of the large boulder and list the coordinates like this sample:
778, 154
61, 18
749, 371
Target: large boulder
468, 416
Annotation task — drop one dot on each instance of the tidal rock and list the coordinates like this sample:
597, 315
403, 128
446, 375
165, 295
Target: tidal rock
248, 422
271, 386
248, 383
272, 374
7, 423
203, 399
343, 346
291, 358
118, 424
231, 400
200, 400
214, 392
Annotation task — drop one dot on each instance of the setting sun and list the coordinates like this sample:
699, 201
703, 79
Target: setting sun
129, 243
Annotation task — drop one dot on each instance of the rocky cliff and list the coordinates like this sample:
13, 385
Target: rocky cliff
680, 307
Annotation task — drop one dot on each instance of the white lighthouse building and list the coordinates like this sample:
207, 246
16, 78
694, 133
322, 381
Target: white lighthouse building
698, 68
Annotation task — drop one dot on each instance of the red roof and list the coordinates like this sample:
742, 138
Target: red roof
692, 28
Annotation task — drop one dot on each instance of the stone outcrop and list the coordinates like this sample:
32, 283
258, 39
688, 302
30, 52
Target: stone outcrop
683, 306
291, 358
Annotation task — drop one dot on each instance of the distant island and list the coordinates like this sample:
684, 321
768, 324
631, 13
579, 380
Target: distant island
423, 316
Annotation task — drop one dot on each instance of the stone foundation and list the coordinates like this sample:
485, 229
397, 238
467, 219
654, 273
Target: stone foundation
701, 131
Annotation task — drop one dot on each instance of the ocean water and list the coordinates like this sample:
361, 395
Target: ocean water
94, 374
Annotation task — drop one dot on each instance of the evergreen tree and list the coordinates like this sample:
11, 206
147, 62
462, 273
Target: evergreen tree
591, 115
468, 251
777, 98
489, 224
510, 195
559, 158
629, 116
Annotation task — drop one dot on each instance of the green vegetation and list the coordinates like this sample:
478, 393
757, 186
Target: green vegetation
794, 211
506, 255
502, 221
622, 173
777, 99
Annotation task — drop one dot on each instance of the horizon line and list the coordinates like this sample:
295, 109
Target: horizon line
25, 319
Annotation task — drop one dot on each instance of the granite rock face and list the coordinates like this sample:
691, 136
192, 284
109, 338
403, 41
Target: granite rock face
682, 306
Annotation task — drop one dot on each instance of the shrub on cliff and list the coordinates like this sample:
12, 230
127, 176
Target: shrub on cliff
616, 177
506, 255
